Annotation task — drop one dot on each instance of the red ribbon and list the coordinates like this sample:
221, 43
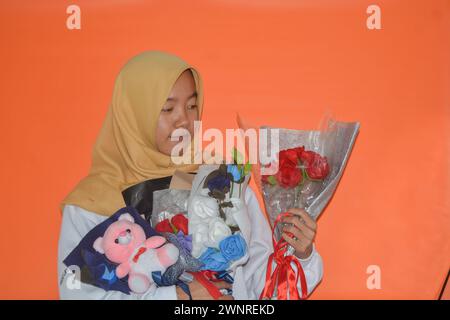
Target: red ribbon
202, 277
140, 251
211, 275
283, 277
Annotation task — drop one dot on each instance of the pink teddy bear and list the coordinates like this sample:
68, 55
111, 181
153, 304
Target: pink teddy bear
124, 242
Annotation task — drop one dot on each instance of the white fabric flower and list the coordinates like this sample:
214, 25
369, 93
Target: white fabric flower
203, 207
218, 230
199, 239
201, 210
231, 212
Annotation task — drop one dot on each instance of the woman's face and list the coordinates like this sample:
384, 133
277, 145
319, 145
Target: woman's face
179, 111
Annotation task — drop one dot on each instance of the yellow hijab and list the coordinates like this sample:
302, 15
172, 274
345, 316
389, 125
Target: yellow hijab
125, 151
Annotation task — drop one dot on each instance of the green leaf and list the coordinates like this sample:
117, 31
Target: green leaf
304, 177
174, 229
247, 168
272, 180
234, 155
237, 157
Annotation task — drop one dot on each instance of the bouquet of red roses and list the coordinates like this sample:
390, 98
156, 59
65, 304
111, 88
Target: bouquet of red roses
300, 176
307, 171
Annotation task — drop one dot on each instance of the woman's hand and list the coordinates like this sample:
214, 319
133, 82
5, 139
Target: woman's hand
199, 292
299, 232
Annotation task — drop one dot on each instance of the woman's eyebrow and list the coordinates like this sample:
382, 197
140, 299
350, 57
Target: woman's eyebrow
194, 95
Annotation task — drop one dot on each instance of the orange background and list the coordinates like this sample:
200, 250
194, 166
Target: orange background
279, 64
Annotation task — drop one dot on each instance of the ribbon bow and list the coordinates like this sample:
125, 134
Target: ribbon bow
284, 277
138, 254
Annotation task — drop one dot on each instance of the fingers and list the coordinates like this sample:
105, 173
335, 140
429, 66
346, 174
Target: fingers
296, 223
199, 292
222, 284
299, 245
300, 232
293, 232
310, 223
289, 240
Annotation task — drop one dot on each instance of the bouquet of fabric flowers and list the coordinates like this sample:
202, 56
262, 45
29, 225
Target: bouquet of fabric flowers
218, 217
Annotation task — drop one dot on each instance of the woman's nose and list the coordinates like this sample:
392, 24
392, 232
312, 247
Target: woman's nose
182, 120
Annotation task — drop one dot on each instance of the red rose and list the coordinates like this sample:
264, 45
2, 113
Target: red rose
299, 151
180, 222
289, 176
287, 158
316, 166
164, 226
307, 157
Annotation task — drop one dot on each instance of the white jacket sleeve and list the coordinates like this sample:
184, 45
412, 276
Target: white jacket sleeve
76, 223
250, 279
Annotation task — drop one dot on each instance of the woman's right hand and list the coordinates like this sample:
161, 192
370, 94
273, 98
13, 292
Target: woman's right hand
199, 292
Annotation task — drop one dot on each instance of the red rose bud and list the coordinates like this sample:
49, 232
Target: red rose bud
289, 177
180, 222
164, 226
317, 167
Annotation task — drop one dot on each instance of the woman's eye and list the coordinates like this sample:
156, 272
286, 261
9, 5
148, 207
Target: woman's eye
192, 107
167, 109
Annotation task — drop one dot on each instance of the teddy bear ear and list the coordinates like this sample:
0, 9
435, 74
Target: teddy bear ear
126, 216
98, 245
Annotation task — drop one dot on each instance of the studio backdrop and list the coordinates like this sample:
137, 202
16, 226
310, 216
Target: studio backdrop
386, 64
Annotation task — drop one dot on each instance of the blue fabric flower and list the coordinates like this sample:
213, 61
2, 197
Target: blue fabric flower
219, 183
233, 247
213, 260
235, 172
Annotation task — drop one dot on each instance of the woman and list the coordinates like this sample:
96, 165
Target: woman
154, 94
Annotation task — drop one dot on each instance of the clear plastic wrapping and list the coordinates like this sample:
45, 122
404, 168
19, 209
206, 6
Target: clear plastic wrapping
167, 203
333, 141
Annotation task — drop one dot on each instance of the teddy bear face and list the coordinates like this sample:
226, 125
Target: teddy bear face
120, 239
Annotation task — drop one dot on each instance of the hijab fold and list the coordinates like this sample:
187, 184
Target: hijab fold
125, 151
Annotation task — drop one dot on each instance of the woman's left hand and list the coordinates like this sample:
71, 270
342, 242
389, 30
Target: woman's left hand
299, 232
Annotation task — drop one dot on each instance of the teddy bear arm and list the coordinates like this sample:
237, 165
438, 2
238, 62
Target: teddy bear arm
123, 269
155, 241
